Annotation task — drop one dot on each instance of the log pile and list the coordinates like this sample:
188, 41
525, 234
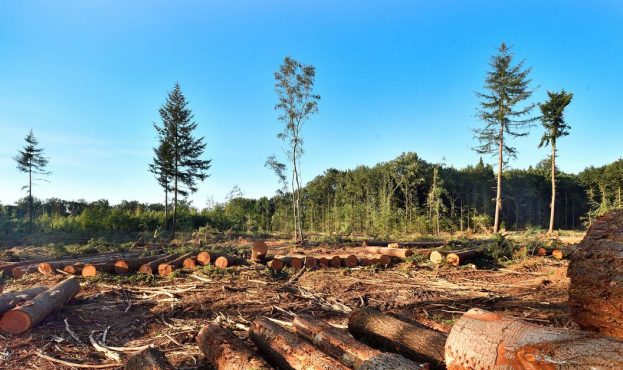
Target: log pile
595, 270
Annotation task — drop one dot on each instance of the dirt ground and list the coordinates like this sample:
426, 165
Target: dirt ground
169, 312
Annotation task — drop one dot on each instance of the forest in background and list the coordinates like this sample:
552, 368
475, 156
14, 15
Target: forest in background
403, 196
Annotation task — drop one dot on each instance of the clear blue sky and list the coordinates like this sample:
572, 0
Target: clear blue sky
395, 76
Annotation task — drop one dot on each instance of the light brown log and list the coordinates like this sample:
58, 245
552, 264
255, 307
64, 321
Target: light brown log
92, 269
413, 341
47, 268
20, 271
349, 260
207, 257
461, 257
148, 359
309, 262
438, 257
391, 361
22, 318
9, 300
75, 269
152, 267
224, 351
167, 268
392, 252
380, 243
290, 261
225, 261
595, 271
339, 344
129, 265
485, 340
560, 254
275, 264
287, 350
258, 251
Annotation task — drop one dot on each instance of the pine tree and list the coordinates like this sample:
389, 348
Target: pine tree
294, 83
180, 165
553, 121
31, 160
506, 86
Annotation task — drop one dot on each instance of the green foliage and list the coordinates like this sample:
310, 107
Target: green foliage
501, 249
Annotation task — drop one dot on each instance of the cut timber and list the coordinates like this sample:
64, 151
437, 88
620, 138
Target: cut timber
323, 262
225, 261
258, 251
225, 351
207, 257
291, 261
308, 261
47, 268
349, 260
341, 345
148, 359
461, 257
386, 251
438, 257
413, 341
20, 271
151, 267
485, 340
75, 269
331, 261
275, 264
128, 265
595, 271
9, 300
380, 243
90, 270
287, 350
190, 263
391, 361
540, 251
167, 268
560, 254
23, 318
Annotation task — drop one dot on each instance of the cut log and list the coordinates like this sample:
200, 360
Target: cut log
290, 261
151, 267
90, 270
287, 350
349, 260
413, 341
20, 271
380, 243
560, 254
391, 361
331, 261
438, 257
224, 351
258, 251
47, 268
308, 261
167, 268
128, 265
339, 344
323, 262
75, 269
275, 264
9, 300
540, 251
225, 261
207, 257
190, 263
485, 340
392, 252
461, 257
22, 318
148, 359
595, 271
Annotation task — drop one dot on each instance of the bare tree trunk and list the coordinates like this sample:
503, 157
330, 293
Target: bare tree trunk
166, 209
553, 204
498, 197
175, 204
30, 199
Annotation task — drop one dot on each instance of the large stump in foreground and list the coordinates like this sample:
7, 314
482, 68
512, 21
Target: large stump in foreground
485, 340
596, 270
225, 351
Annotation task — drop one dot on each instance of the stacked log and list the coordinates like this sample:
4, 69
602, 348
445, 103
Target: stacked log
349, 260
287, 350
128, 265
595, 270
413, 341
291, 261
206, 257
167, 268
23, 317
381, 243
460, 257
345, 348
75, 269
225, 351
225, 261
485, 340
392, 252
92, 269
8, 301
151, 267
275, 264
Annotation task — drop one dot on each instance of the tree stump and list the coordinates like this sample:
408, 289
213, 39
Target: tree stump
595, 270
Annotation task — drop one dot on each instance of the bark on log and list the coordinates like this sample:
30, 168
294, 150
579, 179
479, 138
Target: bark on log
413, 341
287, 350
339, 344
308, 261
258, 251
128, 265
392, 252
380, 243
22, 318
207, 257
290, 261
9, 300
349, 260
485, 340
391, 361
461, 257
225, 261
148, 359
332, 261
20, 271
225, 351
151, 267
167, 268
595, 270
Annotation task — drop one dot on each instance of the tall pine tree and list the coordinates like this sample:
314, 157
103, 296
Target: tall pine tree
177, 162
506, 87
30, 160
553, 121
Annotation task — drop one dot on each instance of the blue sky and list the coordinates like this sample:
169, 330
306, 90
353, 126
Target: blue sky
394, 76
